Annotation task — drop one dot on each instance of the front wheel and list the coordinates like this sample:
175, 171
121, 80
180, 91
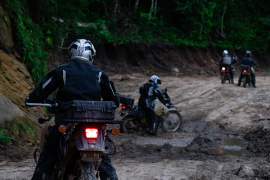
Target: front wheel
84, 171
171, 122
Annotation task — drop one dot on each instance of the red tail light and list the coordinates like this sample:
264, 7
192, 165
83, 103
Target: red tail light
245, 71
91, 133
123, 107
223, 68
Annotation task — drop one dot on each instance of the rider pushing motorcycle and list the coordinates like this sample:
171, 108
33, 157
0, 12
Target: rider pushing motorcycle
149, 92
227, 59
76, 80
248, 61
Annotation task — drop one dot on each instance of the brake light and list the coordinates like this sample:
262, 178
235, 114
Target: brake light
223, 68
91, 133
123, 107
245, 71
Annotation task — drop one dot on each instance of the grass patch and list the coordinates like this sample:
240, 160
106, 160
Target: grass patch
21, 127
5, 139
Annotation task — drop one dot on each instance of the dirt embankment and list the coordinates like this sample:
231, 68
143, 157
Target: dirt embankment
16, 83
160, 58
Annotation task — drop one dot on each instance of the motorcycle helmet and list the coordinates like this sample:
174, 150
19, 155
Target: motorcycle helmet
155, 79
225, 52
248, 54
82, 49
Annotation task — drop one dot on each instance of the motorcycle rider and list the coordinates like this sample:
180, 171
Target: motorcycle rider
76, 80
149, 92
248, 61
227, 59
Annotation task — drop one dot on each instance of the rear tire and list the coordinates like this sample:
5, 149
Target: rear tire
172, 122
124, 126
222, 78
244, 81
84, 170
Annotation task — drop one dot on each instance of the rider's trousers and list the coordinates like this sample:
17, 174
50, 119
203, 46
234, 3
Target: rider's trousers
152, 118
49, 156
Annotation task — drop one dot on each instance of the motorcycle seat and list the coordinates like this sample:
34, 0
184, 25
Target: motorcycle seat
224, 65
247, 67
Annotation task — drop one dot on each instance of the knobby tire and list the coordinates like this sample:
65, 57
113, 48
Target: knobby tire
84, 170
222, 78
177, 126
244, 81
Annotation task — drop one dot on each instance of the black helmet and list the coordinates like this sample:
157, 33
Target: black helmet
248, 53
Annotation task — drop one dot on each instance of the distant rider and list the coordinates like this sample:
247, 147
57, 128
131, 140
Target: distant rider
248, 61
76, 80
227, 59
149, 92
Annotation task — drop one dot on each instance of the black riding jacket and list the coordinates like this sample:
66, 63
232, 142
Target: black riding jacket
75, 80
248, 61
148, 94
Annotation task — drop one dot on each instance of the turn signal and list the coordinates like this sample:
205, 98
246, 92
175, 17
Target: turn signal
123, 107
245, 71
62, 128
115, 131
223, 68
91, 133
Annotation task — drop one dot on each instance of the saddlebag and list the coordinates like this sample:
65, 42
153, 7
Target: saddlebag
100, 110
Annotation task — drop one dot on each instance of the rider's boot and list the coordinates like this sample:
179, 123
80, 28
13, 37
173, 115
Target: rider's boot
153, 130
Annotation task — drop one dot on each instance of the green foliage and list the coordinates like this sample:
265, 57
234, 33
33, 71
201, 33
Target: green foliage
4, 137
41, 26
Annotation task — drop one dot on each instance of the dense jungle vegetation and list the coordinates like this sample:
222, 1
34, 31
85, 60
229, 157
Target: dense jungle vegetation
41, 26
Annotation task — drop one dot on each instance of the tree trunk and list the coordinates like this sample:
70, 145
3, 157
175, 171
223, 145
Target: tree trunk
136, 4
222, 18
116, 6
201, 28
155, 8
150, 13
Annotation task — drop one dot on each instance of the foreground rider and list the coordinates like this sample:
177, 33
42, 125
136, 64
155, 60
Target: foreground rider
76, 80
227, 59
248, 61
149, 92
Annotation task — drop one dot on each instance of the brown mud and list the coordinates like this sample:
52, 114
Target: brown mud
225, 134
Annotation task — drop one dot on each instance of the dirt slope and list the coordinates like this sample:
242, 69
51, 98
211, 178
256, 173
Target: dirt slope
16, 83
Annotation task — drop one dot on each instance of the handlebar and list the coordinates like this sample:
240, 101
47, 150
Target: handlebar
48, 103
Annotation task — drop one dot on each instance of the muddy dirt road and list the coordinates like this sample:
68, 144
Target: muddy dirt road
225, 134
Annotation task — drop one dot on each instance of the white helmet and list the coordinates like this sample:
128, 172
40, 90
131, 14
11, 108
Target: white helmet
225, 52
155, 79
82, 49
248, 54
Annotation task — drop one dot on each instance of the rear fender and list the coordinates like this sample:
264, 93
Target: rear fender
84, 144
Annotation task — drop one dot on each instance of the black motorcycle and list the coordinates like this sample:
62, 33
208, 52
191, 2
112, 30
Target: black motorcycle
85, 142
135, 118
246, 75
225, 73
